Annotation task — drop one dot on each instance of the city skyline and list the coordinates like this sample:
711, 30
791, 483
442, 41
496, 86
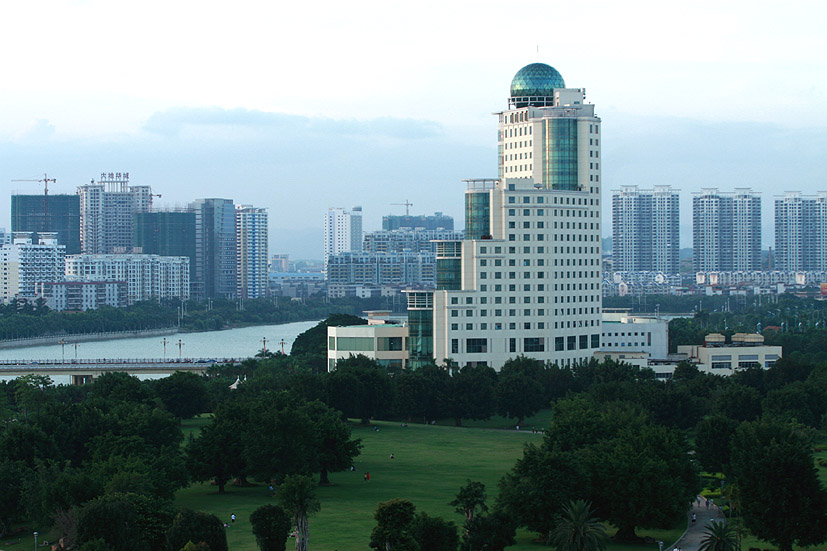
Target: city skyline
374, 115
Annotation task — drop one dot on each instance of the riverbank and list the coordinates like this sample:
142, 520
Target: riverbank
85, 337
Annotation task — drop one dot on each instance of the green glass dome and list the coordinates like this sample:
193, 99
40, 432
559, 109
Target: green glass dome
536, 80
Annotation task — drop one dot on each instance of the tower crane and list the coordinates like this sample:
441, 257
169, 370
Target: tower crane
151, 195
407, 204
45, 180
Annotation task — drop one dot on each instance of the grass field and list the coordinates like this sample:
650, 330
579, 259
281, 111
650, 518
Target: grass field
431, 463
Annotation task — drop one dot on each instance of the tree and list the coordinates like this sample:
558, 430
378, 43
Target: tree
472, 393
393, 526
282, 441
577, 530
782, 499
195, 526
434, 533
492, 532
335, 450
216, 453
297, 496
183, 394
712, 442
11, 485
738, 402
271, 526
360, 388
533, 491
520, 391
111, 518
719, 536
470, 499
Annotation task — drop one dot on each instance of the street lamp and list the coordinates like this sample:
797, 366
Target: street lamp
180, 345
264, 350
35, 541
63, 350
76, 350
164, 342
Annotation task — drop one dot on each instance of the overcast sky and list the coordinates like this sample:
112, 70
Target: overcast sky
301, 106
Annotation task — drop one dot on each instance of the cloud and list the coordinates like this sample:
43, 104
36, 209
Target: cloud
241, 122
35, 131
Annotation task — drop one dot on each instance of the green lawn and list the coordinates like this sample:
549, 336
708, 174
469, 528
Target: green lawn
431, 463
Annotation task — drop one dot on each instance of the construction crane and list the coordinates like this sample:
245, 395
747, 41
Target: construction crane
151, 195
45, 180
407, 204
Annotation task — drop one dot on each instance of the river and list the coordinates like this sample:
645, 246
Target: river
229, 343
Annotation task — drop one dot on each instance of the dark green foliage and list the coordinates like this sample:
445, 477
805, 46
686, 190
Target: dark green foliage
712, 442
393, 527
271, 526
472, 393
311, 345
193, 526
539, 484
217, 453
719, 536
492, 532
422, 394
297, 496
361, 388
470, 499
738, 402
520, 391
27, 443
113, 519
183, 394
619, 453
434, 533
797, 401
782, 501
11, 485
576, 529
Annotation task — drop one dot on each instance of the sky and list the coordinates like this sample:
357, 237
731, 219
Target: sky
302, 106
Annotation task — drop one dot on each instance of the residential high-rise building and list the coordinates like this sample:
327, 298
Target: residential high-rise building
415, 240
438, 221
215, 248
165, 233
801, 232
29, 259
107, 209
646, 230
526, 279
48, 213
726, 230
342, 231
251, 251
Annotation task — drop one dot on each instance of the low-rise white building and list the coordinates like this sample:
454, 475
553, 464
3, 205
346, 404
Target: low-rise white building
623, 332
745, 350
82, 295
147, 276
381, 340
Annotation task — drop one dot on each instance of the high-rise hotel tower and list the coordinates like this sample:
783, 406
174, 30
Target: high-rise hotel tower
526, 278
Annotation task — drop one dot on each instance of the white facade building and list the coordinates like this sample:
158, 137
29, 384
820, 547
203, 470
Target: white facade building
527, 277
381, 340
726, 230
342, 231
747, 350
251, 251
646, 230
801, 232
82, 295
147, 276
107, 209
623, 332
25, 262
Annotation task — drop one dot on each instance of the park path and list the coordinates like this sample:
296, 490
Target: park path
691, 539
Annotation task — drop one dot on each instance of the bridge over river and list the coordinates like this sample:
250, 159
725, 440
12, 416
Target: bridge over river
81, 371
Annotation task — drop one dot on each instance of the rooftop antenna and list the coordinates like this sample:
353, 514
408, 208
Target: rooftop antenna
407, 204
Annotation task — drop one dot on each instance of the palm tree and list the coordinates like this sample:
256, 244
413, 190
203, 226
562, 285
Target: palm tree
297, 496
577, 530
719, 536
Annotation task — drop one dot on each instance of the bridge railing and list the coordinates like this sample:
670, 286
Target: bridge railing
119, 361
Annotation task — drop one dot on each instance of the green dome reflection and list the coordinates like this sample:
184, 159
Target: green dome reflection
536, 80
